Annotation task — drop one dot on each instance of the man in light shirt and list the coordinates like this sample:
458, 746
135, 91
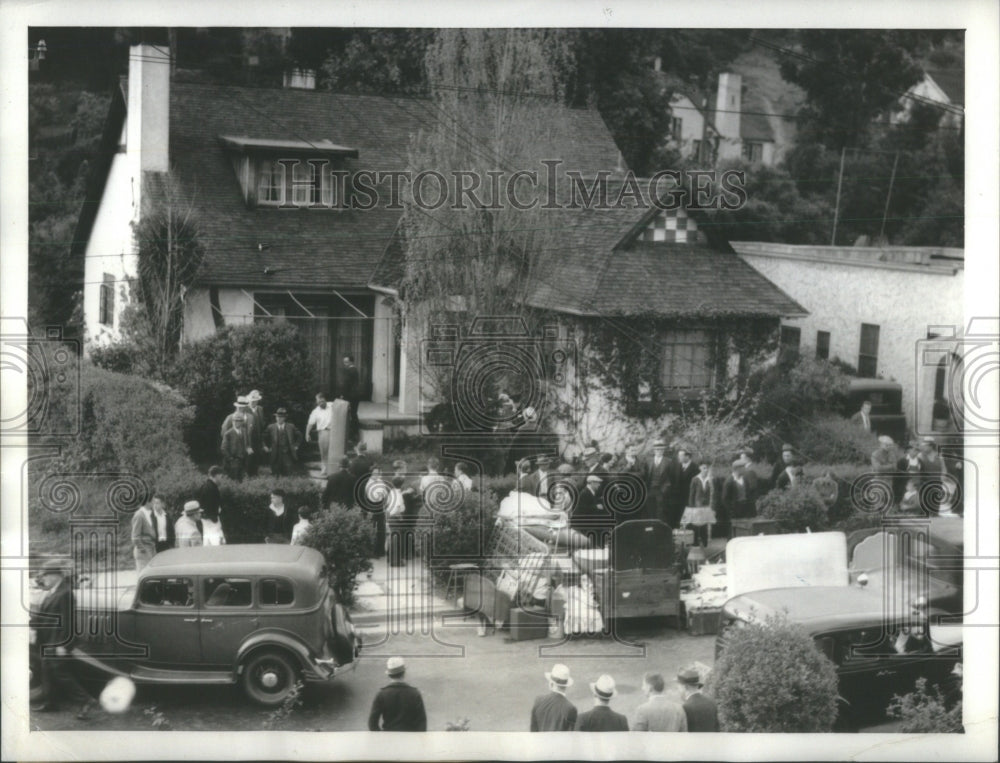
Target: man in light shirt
320, 419
149, 531
659, 712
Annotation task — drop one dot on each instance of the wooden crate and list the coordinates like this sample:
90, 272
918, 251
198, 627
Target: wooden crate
704, 622
639, 593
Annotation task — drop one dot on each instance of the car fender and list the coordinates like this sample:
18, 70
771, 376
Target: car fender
282, 640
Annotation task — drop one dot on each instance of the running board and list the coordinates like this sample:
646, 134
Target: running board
153, 676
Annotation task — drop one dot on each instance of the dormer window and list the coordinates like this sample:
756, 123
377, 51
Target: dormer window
290, 173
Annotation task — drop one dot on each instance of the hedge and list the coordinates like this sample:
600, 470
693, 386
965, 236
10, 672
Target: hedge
796, 509
772, 678
344, 537
833, 439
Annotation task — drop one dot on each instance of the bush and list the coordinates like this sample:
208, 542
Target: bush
795, 509
344, 537
460, 535
714, 440
925, 712
120, 357
832, 439
271, 357
772, 678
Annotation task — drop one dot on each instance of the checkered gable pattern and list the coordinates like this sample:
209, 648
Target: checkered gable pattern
672, 226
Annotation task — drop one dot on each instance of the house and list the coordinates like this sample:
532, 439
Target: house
885, 310
282, 243
940, 89
750, 116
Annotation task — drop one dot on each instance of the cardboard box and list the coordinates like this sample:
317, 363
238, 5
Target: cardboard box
704, 622
742, 527
528, 624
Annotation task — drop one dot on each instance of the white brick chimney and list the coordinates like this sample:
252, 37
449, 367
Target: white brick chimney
148, 135
728, 102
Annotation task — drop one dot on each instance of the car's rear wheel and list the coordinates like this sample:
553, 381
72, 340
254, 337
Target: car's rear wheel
269, 677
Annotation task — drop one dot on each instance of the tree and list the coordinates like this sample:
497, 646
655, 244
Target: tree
851, 77
375, 60
771, 678
169, 255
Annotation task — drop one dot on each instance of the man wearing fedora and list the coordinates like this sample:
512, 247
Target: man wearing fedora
659, 712
52, 622
397, 706
682, 471
189, 529
552, 711
601, 717
256, 424
702, 715
236, 448
281, 443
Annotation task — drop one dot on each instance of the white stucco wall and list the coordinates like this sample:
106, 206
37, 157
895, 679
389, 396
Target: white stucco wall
903, 301
383, 357
236, 306
198, 320
110, 249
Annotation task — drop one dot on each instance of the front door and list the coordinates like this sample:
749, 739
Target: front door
166, 621
227, 618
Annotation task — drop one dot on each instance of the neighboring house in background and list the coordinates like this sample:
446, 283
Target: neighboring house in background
943, 89
875, 308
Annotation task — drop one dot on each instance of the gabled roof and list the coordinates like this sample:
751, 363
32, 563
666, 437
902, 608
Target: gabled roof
952, 82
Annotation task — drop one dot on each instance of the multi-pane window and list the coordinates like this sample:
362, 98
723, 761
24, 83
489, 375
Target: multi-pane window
868, 352
822, 345
310, 184
107, 307
271, 183
688, 360
753, 152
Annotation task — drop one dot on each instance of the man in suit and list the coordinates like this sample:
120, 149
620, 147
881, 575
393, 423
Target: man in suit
340, 486
601, 717
787, 456
53, 624
863, 418
236, 448
397, 706
659, 712
537, 483
738, 502
210, 498
702, 715
552, 711
350, 390
151, 532
588, 510
681, 472
749, 470
189, 529
361, 466
281, 443
658, 482
251, 431
256, 424
793, 475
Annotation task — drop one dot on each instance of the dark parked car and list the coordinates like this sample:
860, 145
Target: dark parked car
262, 616
877, 653
886, 398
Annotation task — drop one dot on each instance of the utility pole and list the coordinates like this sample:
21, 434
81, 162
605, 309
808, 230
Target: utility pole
885, 212
836, 209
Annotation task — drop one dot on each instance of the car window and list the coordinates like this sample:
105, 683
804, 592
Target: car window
226, 592
276, 592
167, 592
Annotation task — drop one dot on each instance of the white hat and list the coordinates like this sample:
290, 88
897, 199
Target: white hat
242, 400
395, 666
191, 507
560, 676
604, 687
886, 440
254, 395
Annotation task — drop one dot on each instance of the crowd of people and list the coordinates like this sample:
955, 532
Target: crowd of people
399, 706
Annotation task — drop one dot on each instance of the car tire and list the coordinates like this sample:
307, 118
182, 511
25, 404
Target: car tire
269, 677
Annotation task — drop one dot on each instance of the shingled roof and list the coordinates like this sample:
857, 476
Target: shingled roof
314, 249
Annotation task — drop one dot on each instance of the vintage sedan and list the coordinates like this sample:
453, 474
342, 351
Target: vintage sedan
262, 616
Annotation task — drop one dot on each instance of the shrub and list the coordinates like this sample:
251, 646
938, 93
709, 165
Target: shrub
460, 535
772, 678
270, 357
833, 439
344, 537
925, 711
119, 357
715, 440
795, 509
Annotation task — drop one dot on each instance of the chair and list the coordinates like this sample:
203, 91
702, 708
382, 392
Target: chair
456, 580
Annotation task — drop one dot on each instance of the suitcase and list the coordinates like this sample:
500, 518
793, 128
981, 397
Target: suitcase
704, 622
742, 527
529, 623
639, 593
